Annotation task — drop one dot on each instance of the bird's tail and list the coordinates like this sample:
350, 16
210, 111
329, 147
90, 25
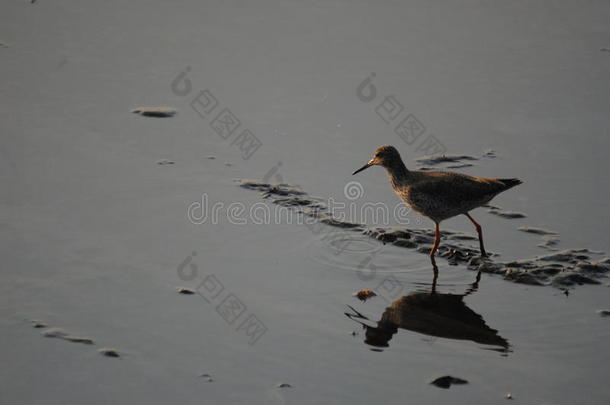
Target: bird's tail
509, 183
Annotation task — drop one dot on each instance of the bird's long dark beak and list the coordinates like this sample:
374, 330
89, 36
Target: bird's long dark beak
366, 166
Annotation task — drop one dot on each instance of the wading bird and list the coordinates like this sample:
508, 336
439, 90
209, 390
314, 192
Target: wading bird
438, 195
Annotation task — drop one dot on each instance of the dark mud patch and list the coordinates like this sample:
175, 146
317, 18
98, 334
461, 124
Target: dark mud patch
566, 268
61, 334
573, 278
293, 197
434, 160
460, 166
495, 210
447, 381
109, 352
207, 377
38, 324
489, 154
422, 240
270, 190
444, 161
157, 112
58, 333
561, 269
549, 242
536, 231
550, 239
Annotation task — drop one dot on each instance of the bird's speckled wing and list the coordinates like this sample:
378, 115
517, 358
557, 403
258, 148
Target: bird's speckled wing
457, 187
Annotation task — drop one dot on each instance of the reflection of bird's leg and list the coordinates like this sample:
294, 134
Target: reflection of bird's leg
474, 286
480, 232
356, 314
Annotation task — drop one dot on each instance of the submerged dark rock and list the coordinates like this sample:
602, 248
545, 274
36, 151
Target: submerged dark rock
507, 214
388, 235
549, 242
38, 324
61, 334
447, 381
157, 112
207, 376
405, 243
109, 352
567, 256
573, 278
489, 153
339, 224
460, 166
536, 231
452, 161
522, 277
436, 159
462, 236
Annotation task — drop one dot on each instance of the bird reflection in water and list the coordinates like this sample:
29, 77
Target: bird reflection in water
434, 314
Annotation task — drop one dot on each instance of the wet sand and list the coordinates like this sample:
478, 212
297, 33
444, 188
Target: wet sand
560, 269
101, 259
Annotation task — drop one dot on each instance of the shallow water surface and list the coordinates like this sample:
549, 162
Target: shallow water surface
101, 222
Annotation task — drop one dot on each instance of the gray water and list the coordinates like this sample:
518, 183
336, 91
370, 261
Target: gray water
94, 231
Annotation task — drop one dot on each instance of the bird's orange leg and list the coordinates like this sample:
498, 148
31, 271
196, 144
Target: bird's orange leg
480, 232
437, 241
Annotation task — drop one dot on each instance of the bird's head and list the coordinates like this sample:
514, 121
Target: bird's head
385, 156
